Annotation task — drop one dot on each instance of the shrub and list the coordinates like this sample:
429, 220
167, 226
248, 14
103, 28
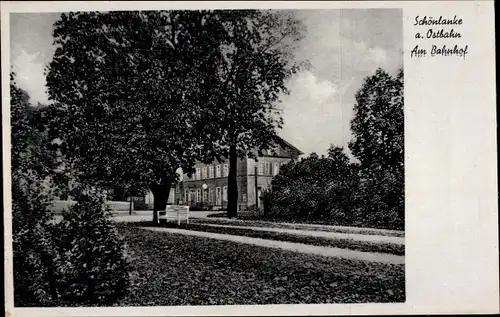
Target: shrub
332, 190
33, 249
315, 188
381, 197
92, 264
32, 245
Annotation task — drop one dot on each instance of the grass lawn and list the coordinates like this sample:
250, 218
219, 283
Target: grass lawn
276, 223
173, 269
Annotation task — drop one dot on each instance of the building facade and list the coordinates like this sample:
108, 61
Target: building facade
207, 188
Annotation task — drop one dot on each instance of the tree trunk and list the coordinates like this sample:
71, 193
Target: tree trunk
160, 196
232, 184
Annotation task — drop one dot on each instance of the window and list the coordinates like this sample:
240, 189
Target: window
198, 174
267, 170
205, 194
217, 171
218, 196
211, 172
276, 169
185, 195
226, 171
244, 197
204, 173
224, 193
191, 195
211, 194
198, 195
261, 168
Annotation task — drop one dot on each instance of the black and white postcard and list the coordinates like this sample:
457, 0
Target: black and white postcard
233, 158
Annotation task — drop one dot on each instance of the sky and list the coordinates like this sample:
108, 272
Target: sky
343, 47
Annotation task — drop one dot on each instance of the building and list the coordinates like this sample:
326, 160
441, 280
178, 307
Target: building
207, 187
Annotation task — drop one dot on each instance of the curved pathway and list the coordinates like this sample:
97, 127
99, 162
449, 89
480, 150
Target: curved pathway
291, 246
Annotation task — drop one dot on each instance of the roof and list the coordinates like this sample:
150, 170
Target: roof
280, 139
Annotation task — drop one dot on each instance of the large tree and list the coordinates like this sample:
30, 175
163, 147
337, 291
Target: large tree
378, 129
131, 94
140, 94
257, 57
378, 123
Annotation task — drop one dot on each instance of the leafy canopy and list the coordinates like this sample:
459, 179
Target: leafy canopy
130, 92
256, 59
378, 123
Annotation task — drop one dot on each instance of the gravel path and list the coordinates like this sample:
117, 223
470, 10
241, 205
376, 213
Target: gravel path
297, 247
321, 234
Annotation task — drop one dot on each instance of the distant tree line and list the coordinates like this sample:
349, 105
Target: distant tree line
331, 189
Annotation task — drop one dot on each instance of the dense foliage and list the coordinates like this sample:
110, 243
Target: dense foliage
32, 245
378, 128
331, 189
91, 259
314, 188
51, 262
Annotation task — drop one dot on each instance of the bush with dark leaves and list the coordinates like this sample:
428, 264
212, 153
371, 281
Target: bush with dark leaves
33, 250
31, 162
92, 263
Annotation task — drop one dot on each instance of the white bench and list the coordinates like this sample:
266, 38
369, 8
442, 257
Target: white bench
181, 213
